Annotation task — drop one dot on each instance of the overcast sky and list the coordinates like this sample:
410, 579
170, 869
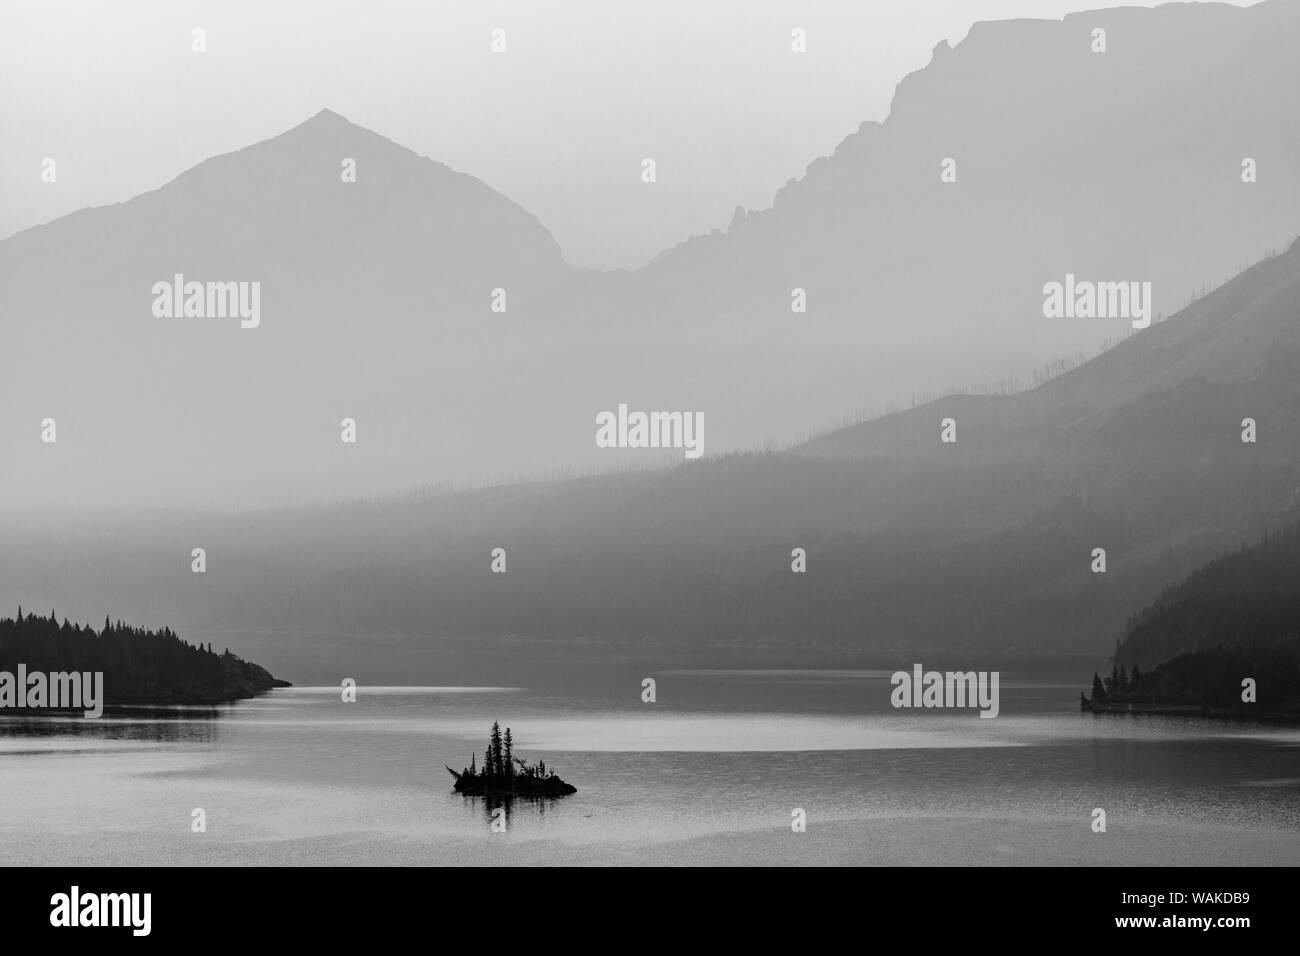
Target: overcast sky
559, 123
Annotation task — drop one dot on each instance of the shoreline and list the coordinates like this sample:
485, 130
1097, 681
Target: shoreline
144, 703
1149, 709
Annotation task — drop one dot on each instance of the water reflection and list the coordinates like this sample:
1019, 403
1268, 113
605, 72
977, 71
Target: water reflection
301, 778
530, 807
150, 724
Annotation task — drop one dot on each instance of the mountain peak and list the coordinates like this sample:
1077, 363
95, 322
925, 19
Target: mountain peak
326, 119
327, 116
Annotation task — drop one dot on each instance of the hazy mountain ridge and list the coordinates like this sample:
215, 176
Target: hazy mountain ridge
304, 159
377, 294
984, 545
1063, 165
1230, 335
373, 297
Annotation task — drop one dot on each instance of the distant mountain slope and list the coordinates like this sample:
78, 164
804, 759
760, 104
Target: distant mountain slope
1249, 597
375, 303
1121, 165
981, 547
376, 295
283, 206
1232, 339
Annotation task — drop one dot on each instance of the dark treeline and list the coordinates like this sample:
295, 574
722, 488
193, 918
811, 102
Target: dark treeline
1250, 597
1209, 678
1237, 617
139, 665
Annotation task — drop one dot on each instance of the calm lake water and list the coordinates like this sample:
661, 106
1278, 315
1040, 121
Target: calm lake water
709, 774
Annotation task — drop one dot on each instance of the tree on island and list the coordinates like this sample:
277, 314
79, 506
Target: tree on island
502, 770
498, 768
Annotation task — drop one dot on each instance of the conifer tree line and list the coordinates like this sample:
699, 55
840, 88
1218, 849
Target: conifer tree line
1237, 617
1211, 677
139, 665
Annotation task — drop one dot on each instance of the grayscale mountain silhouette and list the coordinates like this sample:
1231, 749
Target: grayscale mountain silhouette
1002, 393
1138, 450
377, 295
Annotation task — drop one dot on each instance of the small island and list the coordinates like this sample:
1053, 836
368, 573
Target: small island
504, 774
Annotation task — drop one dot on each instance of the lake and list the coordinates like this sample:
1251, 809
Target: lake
710, 773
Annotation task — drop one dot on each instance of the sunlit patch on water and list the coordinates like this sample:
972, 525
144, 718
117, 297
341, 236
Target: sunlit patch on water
740, 733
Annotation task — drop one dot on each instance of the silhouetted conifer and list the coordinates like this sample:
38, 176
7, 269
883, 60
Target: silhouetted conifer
495, 747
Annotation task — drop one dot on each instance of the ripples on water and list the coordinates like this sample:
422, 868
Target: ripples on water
709, 773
